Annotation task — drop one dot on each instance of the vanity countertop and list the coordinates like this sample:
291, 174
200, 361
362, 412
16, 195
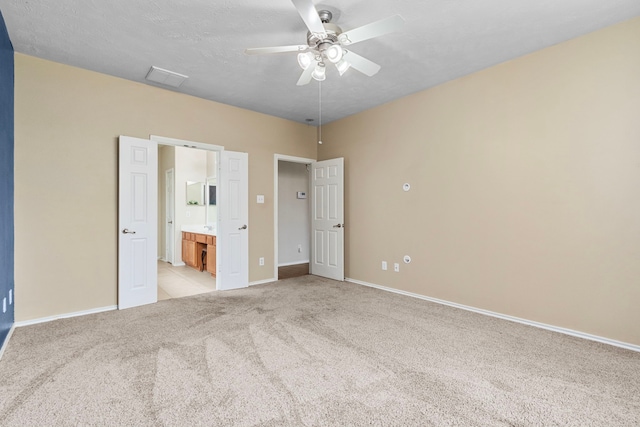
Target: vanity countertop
199, 229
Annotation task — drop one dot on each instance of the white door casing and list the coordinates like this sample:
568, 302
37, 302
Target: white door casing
169, 216
327, 219
276, 225
233, 221
137, 222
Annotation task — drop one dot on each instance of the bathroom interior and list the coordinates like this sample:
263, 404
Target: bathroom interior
187, 212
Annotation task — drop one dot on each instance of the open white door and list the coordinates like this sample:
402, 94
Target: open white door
137, 222
327, 219
233, 221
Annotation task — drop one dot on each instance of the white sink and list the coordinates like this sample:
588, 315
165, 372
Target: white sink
200, 229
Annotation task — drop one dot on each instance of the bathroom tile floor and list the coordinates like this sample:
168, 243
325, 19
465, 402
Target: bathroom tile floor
183, 281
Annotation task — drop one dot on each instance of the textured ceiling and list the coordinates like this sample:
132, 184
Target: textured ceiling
441, 40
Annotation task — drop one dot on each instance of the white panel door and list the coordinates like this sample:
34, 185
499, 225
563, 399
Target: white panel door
327, 219
233, 221
137, 222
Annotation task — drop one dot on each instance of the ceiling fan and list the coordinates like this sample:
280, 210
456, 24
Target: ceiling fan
326, 42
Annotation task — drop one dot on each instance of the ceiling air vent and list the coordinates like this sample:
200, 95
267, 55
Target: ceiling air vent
165, 77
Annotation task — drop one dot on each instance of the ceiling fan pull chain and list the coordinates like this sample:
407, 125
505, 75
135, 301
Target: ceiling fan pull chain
319, 112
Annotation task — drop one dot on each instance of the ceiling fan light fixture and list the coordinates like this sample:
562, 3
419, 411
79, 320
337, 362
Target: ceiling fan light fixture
319, 73
334, 53
305, 59
343, 66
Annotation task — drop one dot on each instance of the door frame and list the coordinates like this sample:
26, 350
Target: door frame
163, 140
276, 159
169, 207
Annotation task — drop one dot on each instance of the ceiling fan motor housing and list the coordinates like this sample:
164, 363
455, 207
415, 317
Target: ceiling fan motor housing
320, 42
317, 41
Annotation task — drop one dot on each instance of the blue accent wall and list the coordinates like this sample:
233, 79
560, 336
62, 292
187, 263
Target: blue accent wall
6, 181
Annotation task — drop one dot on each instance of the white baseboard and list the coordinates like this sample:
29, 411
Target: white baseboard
262, 282
65, 316
179, 264
287, 264
6, 341
628, 346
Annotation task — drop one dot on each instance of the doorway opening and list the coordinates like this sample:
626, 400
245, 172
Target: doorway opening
187, 202
292, 216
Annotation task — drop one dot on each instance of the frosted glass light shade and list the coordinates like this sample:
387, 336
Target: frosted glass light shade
319, 73
334, 53
305, 59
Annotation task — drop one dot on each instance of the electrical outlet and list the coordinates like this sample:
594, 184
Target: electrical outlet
261, 261
299, 249
187, 214
396, 267
384, 265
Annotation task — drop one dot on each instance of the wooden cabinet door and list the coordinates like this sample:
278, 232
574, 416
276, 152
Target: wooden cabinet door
191, 254
211, 259
185, 250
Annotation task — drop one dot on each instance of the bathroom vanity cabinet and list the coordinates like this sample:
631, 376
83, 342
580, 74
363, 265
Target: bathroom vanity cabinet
199, 251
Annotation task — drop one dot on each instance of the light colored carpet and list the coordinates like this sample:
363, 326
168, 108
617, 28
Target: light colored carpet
310, 352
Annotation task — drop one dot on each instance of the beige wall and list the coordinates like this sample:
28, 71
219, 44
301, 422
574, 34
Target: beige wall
525, 196
67, 121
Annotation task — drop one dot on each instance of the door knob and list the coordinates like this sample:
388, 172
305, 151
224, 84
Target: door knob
126, 231
338, 226
170, 222
244, 227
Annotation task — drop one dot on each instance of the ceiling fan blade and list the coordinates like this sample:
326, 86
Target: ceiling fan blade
374, 29
309, 15
305, 78
276, 49
361, 64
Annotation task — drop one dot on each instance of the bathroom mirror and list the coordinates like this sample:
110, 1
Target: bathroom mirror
212, 209
195, 193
